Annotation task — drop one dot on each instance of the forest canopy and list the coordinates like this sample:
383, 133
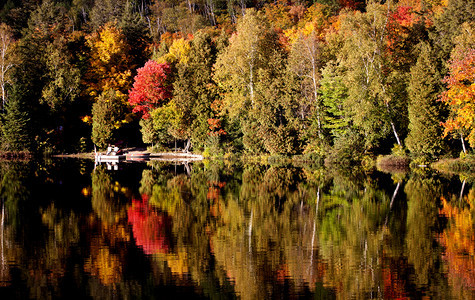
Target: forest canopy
334, 79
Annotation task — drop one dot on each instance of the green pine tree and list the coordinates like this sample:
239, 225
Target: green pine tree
333, 94
195, 90
16, 128
106, 116
424, 110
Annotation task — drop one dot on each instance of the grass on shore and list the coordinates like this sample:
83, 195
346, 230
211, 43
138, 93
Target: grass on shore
392, 162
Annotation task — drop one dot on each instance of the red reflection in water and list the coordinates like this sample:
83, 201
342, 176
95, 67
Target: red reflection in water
149, 226
395, 271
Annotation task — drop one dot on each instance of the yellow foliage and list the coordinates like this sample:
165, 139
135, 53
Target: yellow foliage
179, 52
461, 88
313, 22
281, 15
87, 119
168, 200
107, 42
109, 62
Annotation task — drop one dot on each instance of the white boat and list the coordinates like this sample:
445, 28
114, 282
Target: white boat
111, 156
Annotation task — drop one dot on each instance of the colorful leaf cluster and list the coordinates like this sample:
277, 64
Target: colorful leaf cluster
460, 94
151, 88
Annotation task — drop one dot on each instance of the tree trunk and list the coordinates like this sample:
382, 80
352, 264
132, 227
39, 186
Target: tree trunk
4, 264
463, 144
395, 133
187, 146
250, 231
243, 7
392, 124
3, 96
251, 83
312, 52
394, 195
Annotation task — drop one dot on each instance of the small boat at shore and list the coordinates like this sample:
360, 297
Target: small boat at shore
113, 155
137, 156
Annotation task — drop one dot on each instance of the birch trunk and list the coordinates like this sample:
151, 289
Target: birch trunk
463, 144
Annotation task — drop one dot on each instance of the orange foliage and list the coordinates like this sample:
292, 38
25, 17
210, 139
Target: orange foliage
168, 38
283, 16
313, 23
282, 274
215, 127
398, 27
460, 93
404, 16
214, 192
419, 5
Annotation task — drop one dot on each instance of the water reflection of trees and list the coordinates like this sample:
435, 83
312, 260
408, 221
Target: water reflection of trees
44, 231
254, 231
108, 222
271, 231
458, 240
35, 237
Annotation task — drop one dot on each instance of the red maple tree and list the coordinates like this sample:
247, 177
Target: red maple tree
151, 88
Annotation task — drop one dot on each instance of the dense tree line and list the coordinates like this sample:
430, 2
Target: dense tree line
335, 79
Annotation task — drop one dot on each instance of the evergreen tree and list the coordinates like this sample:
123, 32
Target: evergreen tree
106, 117
106, 11
424, 110
135, 30
149, 135
276, 104
44, 72
195, 90
16, 135
333, 94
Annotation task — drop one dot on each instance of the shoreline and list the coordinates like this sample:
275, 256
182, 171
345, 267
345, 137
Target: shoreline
163, 156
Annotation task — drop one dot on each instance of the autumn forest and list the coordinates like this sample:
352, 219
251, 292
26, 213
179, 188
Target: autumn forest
339, 80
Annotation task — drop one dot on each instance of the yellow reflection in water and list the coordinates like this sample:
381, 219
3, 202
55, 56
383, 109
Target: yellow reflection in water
459, 241
104, 264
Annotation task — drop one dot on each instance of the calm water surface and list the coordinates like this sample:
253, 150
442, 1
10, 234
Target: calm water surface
218, 230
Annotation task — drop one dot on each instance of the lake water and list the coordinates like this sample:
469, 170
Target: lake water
220, 230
